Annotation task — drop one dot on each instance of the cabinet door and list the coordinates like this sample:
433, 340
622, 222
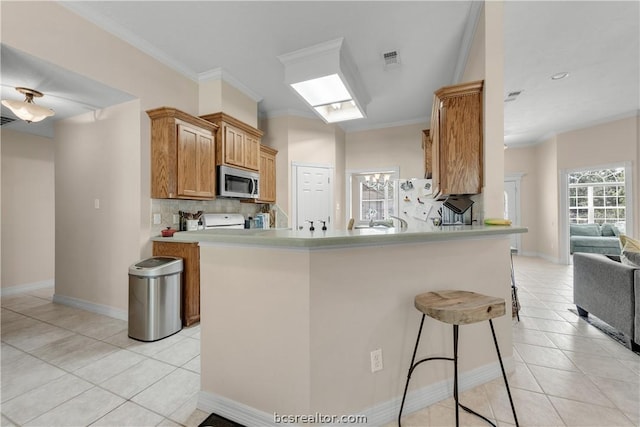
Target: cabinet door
195, 163
251, 152
190, 295
267, 178
233, 146
461, 145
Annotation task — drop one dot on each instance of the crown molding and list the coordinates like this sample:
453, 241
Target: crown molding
222, 74
127, 36
467, 39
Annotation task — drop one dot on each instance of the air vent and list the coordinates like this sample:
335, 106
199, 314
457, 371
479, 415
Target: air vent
391, 59
6, 120
511, 96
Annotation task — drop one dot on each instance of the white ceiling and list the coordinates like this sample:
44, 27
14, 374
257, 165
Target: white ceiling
598, 43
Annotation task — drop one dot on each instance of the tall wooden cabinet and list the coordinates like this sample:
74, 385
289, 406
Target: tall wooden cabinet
456, 139
182, 155
267, 174
237, 143
190, 294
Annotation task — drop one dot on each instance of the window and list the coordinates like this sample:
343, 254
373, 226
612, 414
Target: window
377, 195
598, 197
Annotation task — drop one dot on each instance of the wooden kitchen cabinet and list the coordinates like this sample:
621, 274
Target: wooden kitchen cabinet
237, 143
182, 155
190, 294
428, 153
456, 139
267, 174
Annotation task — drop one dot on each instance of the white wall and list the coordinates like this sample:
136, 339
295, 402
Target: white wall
28, 200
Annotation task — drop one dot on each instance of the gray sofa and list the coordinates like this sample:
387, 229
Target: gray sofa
610, 290
594, 238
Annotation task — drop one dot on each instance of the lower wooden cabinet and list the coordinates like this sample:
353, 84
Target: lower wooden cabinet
190, 253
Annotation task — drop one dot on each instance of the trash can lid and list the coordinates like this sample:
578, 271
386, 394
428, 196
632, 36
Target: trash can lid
157, 266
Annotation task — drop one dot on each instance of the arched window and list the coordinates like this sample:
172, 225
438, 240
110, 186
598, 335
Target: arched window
597, 196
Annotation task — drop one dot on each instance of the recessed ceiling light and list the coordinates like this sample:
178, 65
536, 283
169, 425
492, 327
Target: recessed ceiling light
560, 76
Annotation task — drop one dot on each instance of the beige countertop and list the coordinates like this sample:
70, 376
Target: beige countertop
339, 238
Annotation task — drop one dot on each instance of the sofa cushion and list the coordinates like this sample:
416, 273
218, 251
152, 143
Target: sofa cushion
630, 251
609, 230
584, 230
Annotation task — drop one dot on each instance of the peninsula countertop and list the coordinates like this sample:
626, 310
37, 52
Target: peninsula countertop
324, 239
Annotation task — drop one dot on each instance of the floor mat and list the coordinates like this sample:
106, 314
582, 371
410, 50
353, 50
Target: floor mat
605, 328
215, 420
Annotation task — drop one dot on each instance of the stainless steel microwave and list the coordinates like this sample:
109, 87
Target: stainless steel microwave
237, 183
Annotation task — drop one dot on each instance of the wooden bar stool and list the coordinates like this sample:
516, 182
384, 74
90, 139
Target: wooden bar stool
458, 308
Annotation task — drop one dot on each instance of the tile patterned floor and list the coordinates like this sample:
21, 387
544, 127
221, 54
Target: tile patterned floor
567, 372
63, 366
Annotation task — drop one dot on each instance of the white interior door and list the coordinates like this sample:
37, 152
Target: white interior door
512, 208
313, 197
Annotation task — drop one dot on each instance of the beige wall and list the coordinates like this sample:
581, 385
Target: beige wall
399, 146
119, 231
217, 95
614, 142
28, 200
321, 314
547, 199
97, 157
522, 161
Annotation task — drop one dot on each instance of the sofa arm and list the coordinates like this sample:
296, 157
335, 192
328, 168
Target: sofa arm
605, 288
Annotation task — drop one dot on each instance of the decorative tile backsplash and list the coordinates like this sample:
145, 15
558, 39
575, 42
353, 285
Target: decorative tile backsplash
167, 208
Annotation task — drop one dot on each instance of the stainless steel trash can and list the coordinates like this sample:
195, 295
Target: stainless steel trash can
154, 298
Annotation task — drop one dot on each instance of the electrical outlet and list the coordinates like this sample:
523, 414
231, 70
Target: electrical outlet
376, 360
176, 218
157, 219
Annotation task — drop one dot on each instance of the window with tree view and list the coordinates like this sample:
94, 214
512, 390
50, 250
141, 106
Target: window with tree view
377, 196
598, 197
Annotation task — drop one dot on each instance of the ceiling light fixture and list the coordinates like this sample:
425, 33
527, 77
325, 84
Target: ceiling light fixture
560, 76
27, 110
326, 78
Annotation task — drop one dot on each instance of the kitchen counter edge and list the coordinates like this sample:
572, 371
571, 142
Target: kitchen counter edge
341, 238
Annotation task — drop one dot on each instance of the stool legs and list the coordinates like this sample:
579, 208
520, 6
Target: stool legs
504, 374
455, 375
411, 367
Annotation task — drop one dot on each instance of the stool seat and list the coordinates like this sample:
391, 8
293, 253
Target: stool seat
459, 307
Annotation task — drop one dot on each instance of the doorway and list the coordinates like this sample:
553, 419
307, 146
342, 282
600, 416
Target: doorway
312, 197
512, 205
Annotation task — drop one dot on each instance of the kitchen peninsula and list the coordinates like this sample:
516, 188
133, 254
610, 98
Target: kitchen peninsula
289, 318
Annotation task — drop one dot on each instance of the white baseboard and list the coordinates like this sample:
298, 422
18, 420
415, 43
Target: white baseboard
377, 415
27, 287
235, 411
542, 256
92, 307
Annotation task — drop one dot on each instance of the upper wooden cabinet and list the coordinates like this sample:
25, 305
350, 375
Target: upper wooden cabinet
237, 143
428, 153
456, 139
182, 155
267, 174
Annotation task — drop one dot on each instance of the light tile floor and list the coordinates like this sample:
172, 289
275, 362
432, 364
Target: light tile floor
68, 367
63, 366
567, 373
